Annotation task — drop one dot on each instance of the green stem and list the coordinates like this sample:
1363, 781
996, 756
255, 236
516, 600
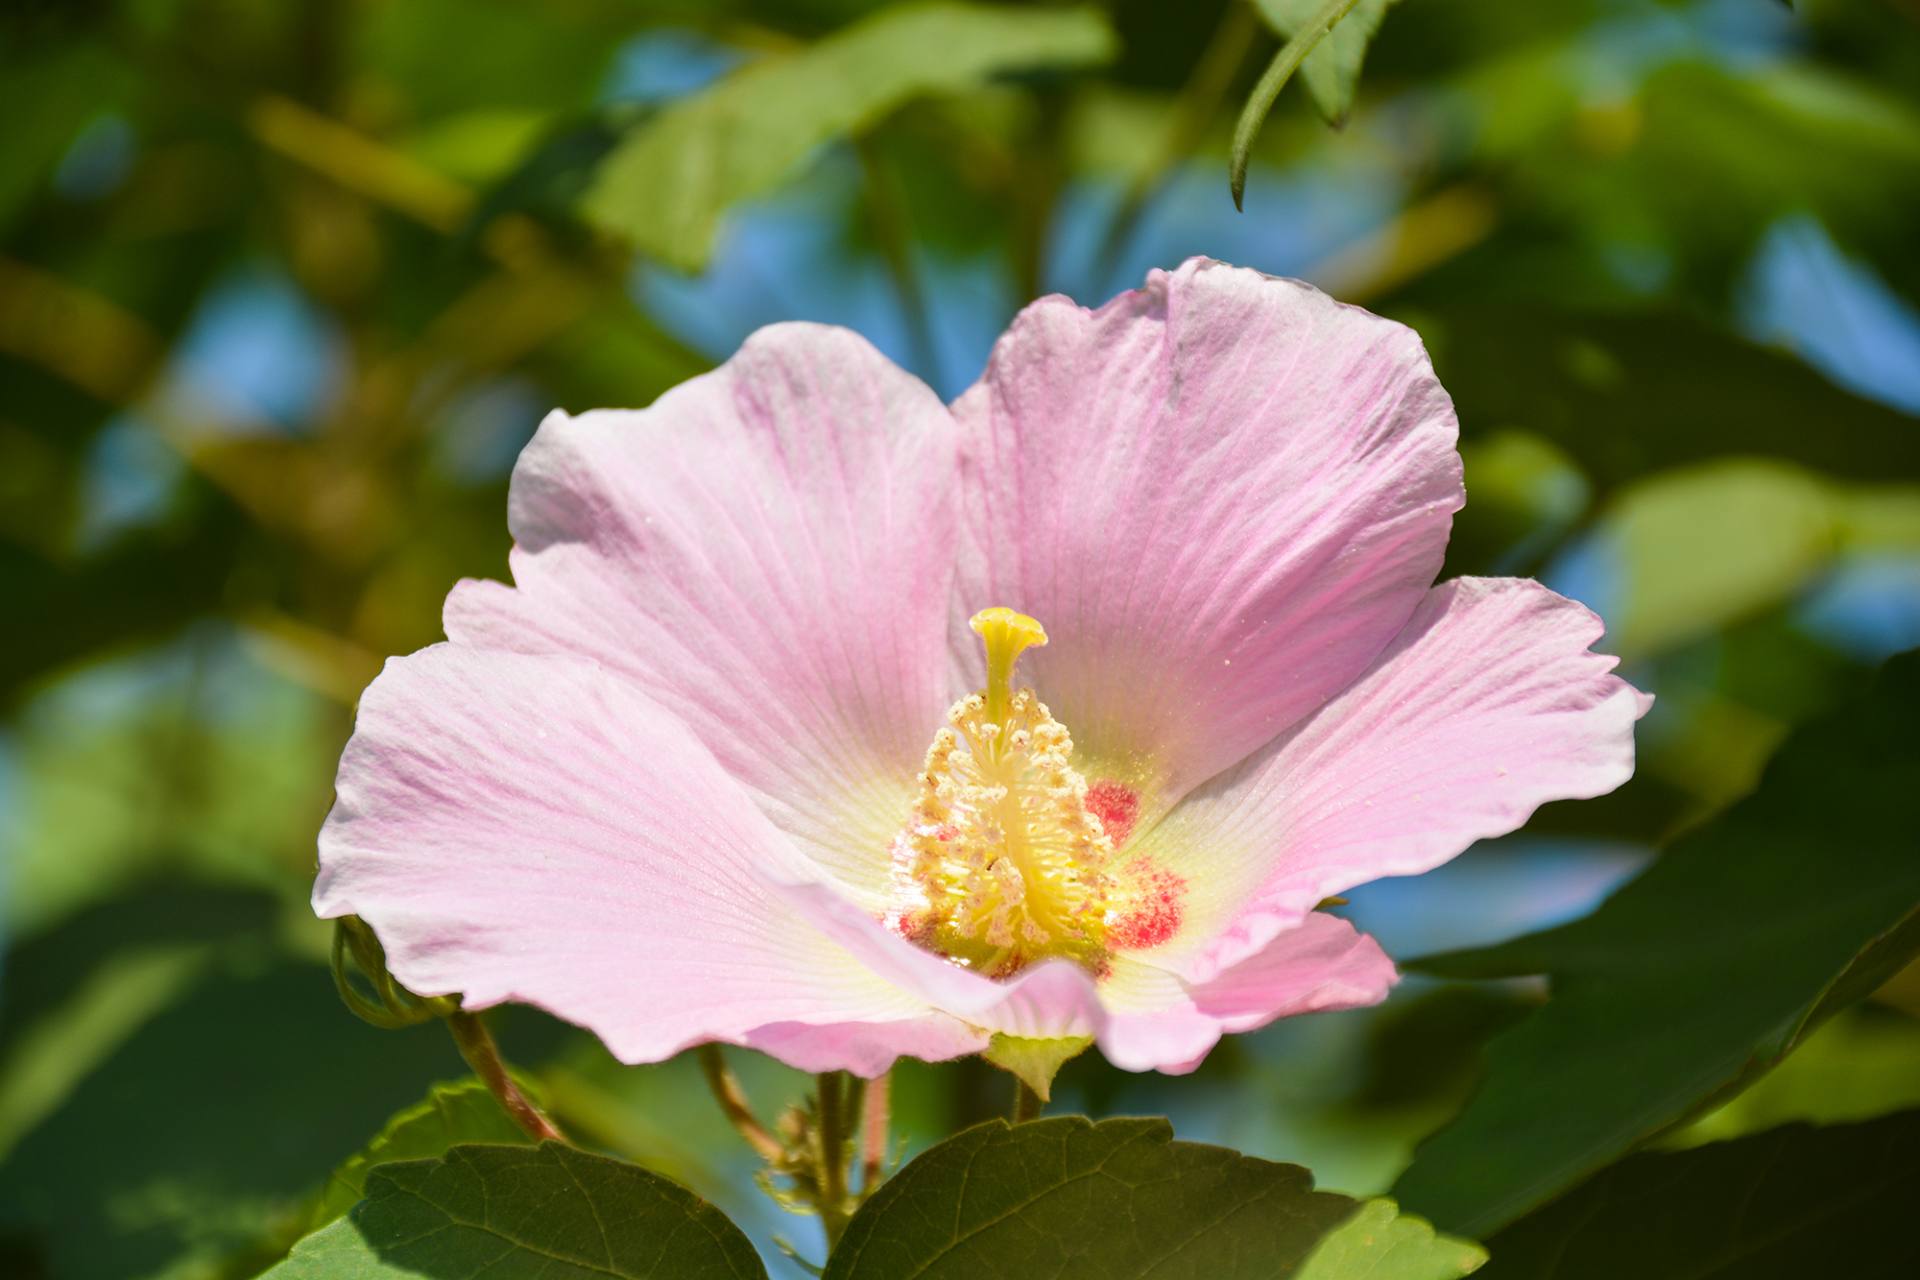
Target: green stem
830, 1116
1026, 1103
873, 1136
483, 1055
733, 1102
1284, 64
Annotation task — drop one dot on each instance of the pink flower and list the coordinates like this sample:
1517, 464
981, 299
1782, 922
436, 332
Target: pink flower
701, 773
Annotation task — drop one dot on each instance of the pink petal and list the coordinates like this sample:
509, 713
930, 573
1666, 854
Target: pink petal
1322, 963
1052, 1000
867, 1049
535, 828
1485, 706
767, 551
1222, 494
1144, 1017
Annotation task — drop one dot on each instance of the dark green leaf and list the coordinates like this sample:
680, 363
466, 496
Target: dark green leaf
193, 1138
452, 1113
1607, 390
1782, 1205
1700, 973
1121, 1200
1783, 138
666, 186
550, 1212
529, 56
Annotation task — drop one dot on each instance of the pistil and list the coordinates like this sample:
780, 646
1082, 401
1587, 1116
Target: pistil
1008, 856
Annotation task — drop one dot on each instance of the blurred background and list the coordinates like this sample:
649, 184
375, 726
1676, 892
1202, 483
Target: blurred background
285, 287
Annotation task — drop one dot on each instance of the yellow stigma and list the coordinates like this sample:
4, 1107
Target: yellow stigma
1006, 635
1001, 864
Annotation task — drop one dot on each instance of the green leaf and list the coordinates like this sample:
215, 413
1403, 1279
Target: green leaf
1703, 547
549, 1211
1782, 1205
1381, 1243
1120, 1199
230, 1143
524, 56
121, 994
1862, 1064
1608, 389
451, 1113
1787, 138
1699, 974
1331, 72
668, 183
1035, 1062
1314, 28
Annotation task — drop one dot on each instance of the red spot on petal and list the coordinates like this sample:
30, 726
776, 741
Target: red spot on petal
1117, 805
1149, 906
916, 928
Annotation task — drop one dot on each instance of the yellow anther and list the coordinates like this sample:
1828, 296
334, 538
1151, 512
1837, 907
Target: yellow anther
1006, 635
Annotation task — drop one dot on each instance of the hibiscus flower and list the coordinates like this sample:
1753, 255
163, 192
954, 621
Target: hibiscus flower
834, 721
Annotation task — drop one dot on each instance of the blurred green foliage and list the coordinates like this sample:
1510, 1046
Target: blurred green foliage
1815, 894
284, 287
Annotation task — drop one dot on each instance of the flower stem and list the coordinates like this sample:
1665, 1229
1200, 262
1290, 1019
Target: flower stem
733, 1102
831, 1114
1026, 1103
483, 1055
873, 1136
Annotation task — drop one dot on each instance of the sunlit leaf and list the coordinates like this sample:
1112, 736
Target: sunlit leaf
1702, 972
666, 186
1120, 1200
1698, 548
549, 1212
450, 1114
1380, 1243
1035, 1062
1331, 72
1864, 1063
1781, 1205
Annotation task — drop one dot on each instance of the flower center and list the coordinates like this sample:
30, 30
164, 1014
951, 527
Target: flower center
1009, 855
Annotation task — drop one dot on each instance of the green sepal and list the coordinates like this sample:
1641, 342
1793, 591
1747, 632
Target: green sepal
391, 1005
1035, 1062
